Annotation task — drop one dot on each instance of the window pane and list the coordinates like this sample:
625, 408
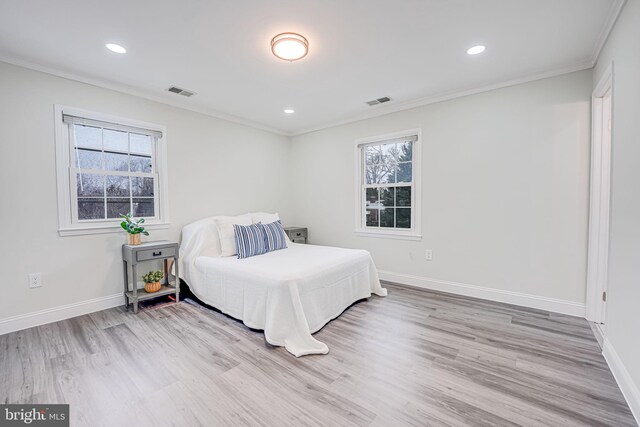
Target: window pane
404, 172
372, 217
141, 144
387, 196
116, 162
389, 162
118, 186
380, 174
389, 153
403, 196
115, 140
403, 218
89, 184
143, 208
371, 197
141, 164
386, 217
373, 154
115, 207
90, 208
405, 151
88, 159
142, 186
88, 137
391, 175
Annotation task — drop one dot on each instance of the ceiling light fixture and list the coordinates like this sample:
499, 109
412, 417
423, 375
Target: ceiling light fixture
476, 50
116, 48
289, 46
289, 111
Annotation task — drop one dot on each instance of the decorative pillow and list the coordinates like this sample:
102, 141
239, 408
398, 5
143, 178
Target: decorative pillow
266, 218
275, 237
250, 240
226, 232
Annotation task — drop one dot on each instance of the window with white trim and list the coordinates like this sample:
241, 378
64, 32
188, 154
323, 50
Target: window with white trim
107, 167
387, 185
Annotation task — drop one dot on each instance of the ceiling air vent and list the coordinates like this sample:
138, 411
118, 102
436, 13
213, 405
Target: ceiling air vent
379, 101
179, 91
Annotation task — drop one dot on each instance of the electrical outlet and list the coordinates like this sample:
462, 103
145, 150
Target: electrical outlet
35, 280
428, 255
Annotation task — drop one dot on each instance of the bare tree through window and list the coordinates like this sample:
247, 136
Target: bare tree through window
388, 181
114, 173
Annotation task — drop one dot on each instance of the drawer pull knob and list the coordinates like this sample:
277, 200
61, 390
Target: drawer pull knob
298, 234
157, 253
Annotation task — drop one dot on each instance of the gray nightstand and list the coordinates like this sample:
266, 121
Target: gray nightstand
296, 234
132, 255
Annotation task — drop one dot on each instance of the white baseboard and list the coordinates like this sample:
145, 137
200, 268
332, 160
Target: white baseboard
532, 301
629, 388
62, 312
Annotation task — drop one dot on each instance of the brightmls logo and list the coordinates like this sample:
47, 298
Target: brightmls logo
34, 415
28, 417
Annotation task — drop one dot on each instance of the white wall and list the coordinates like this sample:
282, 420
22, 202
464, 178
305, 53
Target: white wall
504, 192
504, 188
622, 330
215, 167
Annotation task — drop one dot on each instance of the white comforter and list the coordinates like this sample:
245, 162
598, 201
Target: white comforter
290, 293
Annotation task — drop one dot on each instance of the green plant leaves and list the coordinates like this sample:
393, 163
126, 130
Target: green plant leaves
131, 226
153, 276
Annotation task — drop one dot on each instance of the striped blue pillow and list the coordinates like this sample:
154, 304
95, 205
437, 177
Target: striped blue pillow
274, 236
250, 240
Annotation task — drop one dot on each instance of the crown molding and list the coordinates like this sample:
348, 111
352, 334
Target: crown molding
614, 13
380, 110
140, 93
390, 108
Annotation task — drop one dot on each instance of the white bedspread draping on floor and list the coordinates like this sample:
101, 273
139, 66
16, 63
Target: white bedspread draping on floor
289, 294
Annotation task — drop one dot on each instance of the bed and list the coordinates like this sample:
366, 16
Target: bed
289, 294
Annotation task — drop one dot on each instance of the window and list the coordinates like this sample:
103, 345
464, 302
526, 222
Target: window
108, 166
388, 174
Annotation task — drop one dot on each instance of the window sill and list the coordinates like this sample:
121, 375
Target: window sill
383, 234
103, 229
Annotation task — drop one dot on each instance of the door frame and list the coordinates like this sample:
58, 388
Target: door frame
599, 201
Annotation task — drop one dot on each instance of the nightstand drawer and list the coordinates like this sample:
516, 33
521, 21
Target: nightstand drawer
296, 233
169, 251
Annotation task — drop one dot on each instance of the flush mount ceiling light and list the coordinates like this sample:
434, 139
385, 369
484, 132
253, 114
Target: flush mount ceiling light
289, 111
116, 48
476, 50
289, 46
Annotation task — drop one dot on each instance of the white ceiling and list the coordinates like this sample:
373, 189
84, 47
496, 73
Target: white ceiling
410, 50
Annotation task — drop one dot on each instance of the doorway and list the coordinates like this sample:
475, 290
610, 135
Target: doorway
600, 200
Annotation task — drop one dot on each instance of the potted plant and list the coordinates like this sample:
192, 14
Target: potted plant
152, 281
134, 228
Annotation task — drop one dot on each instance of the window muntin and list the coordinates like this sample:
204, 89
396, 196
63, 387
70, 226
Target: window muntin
387, 185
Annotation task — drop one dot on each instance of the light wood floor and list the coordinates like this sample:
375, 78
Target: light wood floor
413, 358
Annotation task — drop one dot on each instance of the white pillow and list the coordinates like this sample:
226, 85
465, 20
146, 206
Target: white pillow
264, 217
211, 242
268, 218
227, 236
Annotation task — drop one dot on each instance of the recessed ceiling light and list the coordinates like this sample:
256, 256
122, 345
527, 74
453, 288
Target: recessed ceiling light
476, 50
289, 111
289, 46
116, 48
